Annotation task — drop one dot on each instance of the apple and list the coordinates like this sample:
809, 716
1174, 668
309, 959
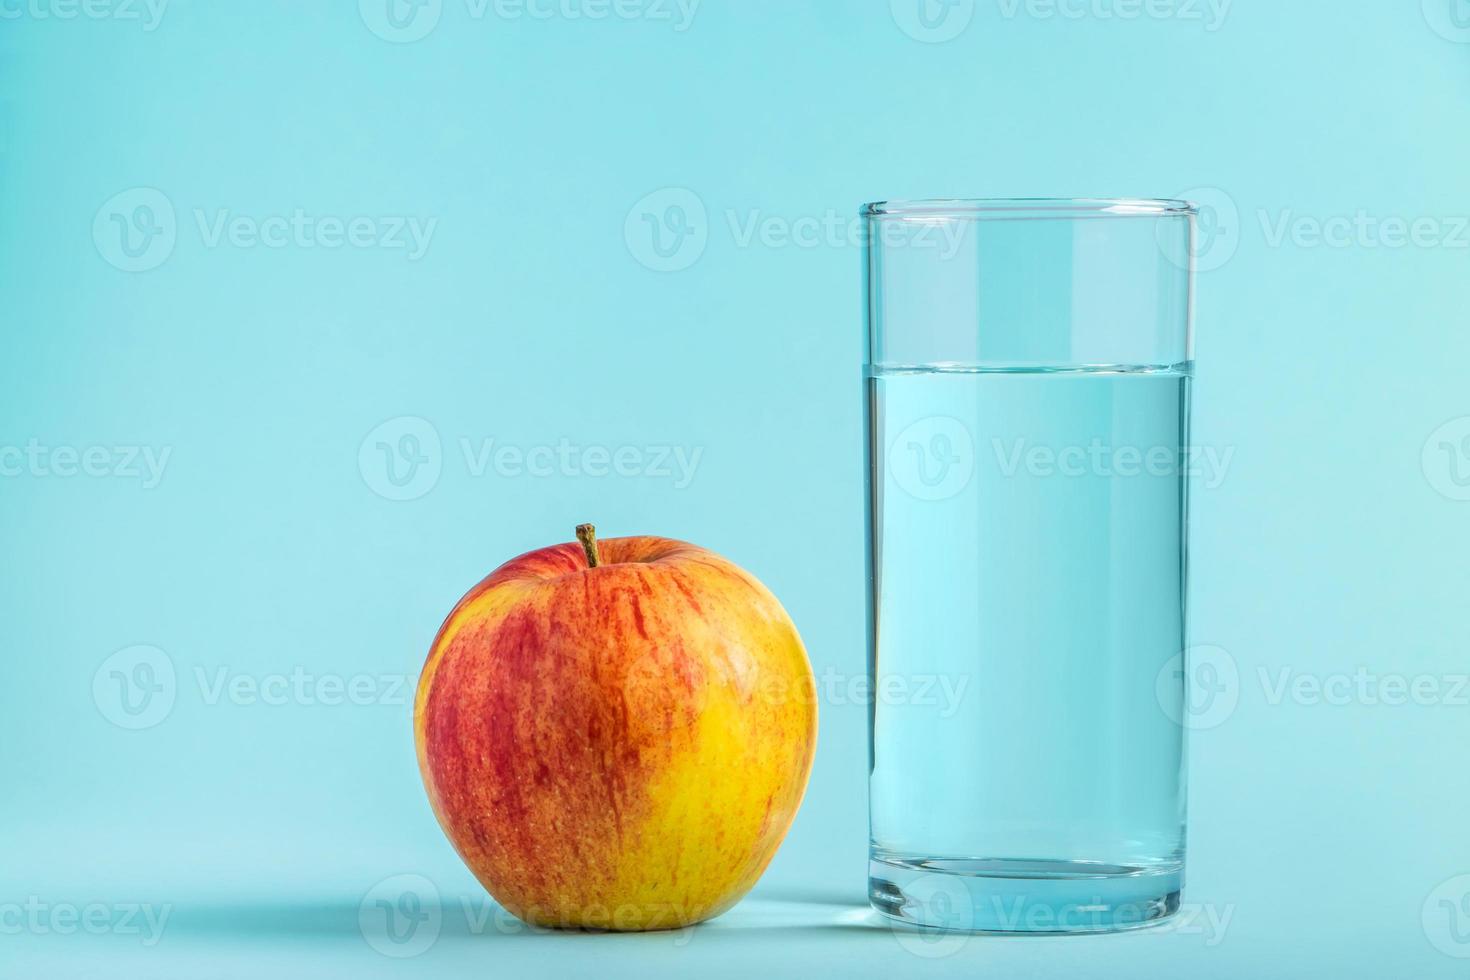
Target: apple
616, 735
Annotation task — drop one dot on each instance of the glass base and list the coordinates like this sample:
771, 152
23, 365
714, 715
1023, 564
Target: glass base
1022, 896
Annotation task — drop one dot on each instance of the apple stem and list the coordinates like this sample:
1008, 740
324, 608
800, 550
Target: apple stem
587, 534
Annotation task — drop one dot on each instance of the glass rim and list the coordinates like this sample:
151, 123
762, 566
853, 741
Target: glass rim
1031, 207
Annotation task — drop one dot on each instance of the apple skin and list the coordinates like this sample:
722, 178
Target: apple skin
621, 747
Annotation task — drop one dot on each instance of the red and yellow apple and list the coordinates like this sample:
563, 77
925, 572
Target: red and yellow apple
617, 734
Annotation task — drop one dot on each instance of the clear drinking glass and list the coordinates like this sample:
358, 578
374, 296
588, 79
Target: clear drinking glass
1028, 382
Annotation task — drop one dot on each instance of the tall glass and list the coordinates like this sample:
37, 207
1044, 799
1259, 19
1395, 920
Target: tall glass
1028, 381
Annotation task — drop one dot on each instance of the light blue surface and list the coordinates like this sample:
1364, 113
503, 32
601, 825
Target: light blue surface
530, 154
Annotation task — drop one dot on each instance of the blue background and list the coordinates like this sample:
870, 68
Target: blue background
544, 309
